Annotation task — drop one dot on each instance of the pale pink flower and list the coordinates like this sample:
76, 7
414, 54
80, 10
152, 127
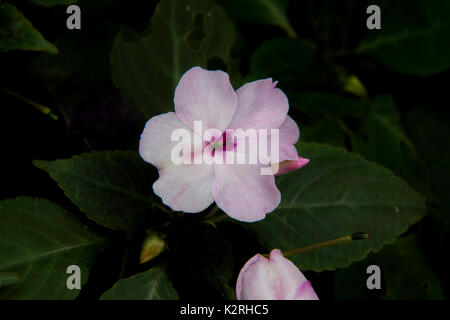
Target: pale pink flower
238, 189
276, 278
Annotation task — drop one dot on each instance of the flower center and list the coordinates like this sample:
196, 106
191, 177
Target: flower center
224, 142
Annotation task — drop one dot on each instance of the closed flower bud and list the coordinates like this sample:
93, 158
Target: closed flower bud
289, 165
153, 245
276, 278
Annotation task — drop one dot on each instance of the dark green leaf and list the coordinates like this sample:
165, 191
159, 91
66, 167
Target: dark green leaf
427, 125
336, 194
440, 181
50, 3
38, 241
405, 275
331, 21
413, 38
382, 139
272, 12
326, 112
153, 284
318, 102
17, 32
184, 34
113, 188
8, 278
324, 131
288, 61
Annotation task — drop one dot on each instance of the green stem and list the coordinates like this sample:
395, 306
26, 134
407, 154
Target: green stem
291, 33
329, 243
38, 106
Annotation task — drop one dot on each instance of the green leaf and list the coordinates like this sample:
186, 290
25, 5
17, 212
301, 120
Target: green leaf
331, 21
405, 275
288, 61
319, 102
39, 240
153, 284
382, 139
184, 34
440, 182
413, 38
336, 194
272, 12
324, 131
427, 126
326, 112
113, 188
8, 278
17, 32
51, 3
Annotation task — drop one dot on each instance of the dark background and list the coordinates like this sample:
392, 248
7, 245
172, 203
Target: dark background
93, 116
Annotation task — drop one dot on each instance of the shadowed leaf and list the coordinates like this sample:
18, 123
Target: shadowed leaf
183, 34
38, 241
113, 188
17, 32
336, 194
149, 285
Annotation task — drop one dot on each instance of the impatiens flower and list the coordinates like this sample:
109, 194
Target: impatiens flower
239, 189
276, 278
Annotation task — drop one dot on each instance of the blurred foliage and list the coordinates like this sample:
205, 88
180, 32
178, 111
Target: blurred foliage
288, 61
378, 95
405, 275
414, 36
17, 32
273, 12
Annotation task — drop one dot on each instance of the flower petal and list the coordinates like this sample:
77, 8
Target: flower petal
251, 282
276, 278
206, 96
260, 106
289, 135
185, 187
243, 193
156, 145
286, 274
305, 292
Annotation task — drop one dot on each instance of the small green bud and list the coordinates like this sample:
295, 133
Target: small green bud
152, 246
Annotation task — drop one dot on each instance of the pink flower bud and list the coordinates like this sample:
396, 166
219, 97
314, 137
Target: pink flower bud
289, 165
276, 278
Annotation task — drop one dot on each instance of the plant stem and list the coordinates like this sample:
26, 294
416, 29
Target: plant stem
328, 243
38, 106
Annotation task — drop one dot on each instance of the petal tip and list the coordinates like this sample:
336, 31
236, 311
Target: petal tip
301, 162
